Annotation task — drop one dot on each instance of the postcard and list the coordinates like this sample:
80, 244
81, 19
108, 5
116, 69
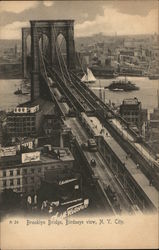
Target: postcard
79, 124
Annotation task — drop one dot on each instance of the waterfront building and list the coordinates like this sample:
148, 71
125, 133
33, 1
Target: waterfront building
24, 172
26, 118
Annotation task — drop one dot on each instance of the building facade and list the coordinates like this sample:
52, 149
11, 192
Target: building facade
23, 121
24, 172
26, 119
131, 111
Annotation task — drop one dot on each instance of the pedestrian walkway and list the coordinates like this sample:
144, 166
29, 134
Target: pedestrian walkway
130, 165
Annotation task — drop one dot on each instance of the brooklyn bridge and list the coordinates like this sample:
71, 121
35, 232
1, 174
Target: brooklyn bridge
123, 161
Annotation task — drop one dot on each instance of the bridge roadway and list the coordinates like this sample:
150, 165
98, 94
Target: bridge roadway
101, 170
85, 100
127, 138
135, 172
118, 123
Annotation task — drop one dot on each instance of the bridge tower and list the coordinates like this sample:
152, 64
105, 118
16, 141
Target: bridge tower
52, 29
25, 34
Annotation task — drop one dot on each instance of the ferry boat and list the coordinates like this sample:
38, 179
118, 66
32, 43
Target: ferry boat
18, 92
88, 77
122, 85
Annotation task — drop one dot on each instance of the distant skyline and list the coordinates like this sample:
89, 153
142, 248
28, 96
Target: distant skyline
124, 17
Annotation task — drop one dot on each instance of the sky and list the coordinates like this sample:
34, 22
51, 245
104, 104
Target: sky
121, 17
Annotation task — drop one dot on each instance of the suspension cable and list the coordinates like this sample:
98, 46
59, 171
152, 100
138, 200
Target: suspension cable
79, 58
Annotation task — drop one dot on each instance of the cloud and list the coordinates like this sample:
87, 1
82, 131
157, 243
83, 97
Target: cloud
113, 21
48, 3
12, 31
17, 6
91, 17
78, 10
135, 7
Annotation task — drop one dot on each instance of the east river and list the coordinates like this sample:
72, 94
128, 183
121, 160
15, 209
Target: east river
147, 93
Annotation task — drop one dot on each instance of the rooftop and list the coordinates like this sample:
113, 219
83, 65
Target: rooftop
47, 107
45, 158
131, 101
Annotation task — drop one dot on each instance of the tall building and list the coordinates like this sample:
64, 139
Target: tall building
26, 119
131, 110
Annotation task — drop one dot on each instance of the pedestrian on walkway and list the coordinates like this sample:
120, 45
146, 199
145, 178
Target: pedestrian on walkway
151, 182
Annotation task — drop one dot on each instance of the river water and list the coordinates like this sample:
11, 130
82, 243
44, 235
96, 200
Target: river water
147, 93
8, 99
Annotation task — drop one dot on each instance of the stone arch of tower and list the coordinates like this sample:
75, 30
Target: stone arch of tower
61, 46
51, 28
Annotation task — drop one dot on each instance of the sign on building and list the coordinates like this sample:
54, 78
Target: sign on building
26, 109
67, 181
7, 151
76, 208
29, 157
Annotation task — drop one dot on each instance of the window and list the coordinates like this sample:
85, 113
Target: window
32, 178
11, 182
32, 170
4, 183
4, 173
25, 180
11, 173
39, 170
25, 171
49, 121
18, 181
18, 172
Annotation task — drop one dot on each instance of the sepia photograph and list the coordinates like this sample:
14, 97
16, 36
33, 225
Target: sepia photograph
79, 124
